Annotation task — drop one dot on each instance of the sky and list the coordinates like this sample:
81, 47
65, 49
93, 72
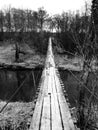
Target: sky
52, 6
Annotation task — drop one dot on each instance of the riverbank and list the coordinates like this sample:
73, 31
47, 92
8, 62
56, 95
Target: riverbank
32, 59
17, 115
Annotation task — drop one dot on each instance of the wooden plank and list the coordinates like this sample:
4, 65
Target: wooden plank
66, 116
45, 121
35, 123
49, 83
56, 119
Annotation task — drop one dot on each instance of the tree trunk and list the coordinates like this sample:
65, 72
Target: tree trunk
17, 52
81, 108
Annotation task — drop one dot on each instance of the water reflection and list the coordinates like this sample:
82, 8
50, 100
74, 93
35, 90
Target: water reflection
72, 86
11, 80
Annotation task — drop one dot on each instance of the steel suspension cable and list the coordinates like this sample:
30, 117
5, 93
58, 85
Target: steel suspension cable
83, 84
15, 92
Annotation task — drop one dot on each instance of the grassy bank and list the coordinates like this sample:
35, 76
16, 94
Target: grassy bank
16, 116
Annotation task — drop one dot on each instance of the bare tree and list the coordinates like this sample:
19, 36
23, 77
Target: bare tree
42, 17
8, 20
1, 24
95, 18
1, 21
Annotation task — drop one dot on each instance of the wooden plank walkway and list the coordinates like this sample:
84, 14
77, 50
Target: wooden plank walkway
51, 110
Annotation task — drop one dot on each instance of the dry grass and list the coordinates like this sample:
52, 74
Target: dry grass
7, 55
16, 116
63, 61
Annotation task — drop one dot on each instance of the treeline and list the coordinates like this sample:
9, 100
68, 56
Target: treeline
24, 26
72, 29
19, 20
36, 26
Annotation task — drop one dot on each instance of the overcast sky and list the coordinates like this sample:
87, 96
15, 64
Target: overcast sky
52, 6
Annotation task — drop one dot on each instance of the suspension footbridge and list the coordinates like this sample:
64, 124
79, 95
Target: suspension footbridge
51, 110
